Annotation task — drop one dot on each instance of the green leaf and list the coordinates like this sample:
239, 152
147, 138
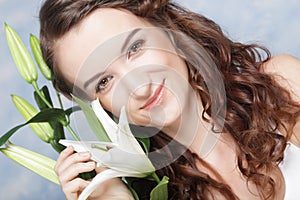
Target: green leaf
21, 56
93, 121
36, 50
40, 103
33, 161
43, 106
160, 192
69, 111
59, 133
145, 142
48, 115
133, 192
8, 134
56, 146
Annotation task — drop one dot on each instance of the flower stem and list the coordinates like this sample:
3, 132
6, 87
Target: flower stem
156, 178
59, 100
36, 88
61, 104
72, 132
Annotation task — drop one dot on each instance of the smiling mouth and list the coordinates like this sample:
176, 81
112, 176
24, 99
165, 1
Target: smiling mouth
156, 98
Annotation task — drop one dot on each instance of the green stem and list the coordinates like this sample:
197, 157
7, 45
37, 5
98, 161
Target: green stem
61, 104
72, 132
59, 100
154, 175
36, 88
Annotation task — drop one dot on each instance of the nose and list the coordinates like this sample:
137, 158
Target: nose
133, 86
137, 83
141, 91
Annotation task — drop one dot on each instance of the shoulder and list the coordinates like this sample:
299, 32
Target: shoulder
286, 71
282, 61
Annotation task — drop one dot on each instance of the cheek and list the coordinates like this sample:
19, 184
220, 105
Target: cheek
106, 102
179, 66
114, 100
172, 61
153, 57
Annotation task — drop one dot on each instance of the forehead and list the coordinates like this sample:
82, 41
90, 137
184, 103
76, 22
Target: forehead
74, 47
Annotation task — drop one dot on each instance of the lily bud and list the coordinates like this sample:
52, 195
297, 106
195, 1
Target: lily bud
43, 130
33, 161
21, 56
36, 50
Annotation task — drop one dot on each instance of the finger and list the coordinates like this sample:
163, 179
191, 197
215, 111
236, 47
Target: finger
63, 155
74, 188
100, 169
71, 160
73, 171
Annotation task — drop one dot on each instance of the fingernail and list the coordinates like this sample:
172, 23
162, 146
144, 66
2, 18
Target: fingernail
69, 149
84, 154
90, 164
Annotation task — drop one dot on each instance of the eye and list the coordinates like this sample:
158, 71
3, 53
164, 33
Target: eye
103, 83
135, 48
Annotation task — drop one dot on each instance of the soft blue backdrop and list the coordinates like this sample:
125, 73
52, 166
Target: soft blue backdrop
275, 24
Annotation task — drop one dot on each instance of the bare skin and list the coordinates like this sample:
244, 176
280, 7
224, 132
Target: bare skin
286, 70
69, 165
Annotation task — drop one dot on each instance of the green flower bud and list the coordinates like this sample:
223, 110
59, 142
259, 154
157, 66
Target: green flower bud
21, 56
33, 161
36, 50
42, 130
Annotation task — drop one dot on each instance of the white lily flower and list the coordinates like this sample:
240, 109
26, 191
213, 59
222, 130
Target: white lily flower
108, 124
123, 156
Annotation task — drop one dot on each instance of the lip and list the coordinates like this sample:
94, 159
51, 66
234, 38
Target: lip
156, 98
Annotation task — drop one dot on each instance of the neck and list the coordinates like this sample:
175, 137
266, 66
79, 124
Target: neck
191, 130
196, 135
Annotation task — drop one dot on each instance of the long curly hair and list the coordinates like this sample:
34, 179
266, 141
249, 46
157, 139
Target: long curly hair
257, 107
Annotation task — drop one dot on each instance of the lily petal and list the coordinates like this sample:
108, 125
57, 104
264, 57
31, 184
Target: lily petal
100, 178
109, 125
110, 155
121, 160
97, 149
121, 133
127, 141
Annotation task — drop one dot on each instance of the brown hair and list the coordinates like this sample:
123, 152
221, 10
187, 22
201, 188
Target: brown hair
256, 105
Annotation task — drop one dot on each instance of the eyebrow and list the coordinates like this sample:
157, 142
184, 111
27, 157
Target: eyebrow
92, 79
130, 35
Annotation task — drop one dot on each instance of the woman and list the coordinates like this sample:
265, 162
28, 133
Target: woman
261, 94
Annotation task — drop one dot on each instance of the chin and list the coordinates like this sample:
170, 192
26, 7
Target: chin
165, 119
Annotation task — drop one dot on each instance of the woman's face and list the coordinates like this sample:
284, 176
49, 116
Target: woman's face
125, 61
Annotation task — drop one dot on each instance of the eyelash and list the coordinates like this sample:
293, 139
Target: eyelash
136, 47
100, 88
133, 49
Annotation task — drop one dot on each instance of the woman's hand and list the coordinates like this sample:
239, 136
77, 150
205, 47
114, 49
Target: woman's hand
69, 165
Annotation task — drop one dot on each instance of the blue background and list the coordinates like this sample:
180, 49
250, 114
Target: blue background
275, 24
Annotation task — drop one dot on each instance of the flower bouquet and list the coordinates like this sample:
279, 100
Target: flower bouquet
48, 122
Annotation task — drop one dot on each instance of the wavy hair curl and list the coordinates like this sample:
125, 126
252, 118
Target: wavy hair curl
257, 107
